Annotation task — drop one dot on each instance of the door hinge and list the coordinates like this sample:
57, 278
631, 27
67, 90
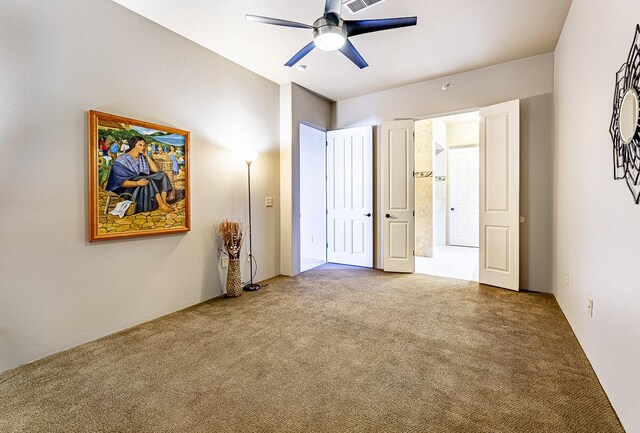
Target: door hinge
414, 252
414, 174
414, 213
327, 244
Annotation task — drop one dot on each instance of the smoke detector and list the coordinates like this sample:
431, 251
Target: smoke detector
356, 6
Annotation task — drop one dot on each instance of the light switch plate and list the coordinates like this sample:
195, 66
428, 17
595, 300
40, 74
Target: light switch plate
224, 261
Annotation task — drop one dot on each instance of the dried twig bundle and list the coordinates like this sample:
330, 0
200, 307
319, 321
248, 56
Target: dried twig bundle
231, 234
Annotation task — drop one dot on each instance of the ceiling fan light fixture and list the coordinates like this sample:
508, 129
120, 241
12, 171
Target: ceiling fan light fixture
330, 41
329, 37
331, 33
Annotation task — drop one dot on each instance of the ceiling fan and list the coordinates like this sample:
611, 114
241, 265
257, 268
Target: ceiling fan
330, 32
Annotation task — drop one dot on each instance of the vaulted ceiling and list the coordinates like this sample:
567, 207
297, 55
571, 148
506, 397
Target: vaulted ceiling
451, 36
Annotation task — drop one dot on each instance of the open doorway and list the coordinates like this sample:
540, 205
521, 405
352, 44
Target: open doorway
499, 195
447, 196
336, 196
313, 207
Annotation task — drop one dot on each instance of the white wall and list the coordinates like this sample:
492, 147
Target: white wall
297, 105
313, 207
60, 59
596, 223
531, 81
287, 135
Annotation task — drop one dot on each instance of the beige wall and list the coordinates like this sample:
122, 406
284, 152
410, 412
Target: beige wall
514, 80
424, 188
439, 185
596, 223
536, 192
463, 134
531, 81
297, 104
60, 59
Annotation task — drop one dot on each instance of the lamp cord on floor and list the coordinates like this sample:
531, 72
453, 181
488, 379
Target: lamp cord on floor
255, 269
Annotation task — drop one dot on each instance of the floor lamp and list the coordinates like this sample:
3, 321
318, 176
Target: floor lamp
250, 286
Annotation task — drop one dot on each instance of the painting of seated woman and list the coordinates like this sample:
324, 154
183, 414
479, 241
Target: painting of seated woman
140, 186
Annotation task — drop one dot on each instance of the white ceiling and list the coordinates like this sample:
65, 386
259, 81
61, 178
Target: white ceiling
452, 36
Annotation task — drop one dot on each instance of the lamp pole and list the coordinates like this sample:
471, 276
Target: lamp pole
250, 286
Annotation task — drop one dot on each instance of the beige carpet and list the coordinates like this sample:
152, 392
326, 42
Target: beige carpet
337, 349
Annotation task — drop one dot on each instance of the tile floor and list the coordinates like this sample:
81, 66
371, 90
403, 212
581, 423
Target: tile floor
453, 262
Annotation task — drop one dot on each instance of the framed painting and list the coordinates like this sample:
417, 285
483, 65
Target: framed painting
138, 178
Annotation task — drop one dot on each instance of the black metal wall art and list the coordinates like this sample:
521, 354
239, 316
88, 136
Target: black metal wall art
624, 129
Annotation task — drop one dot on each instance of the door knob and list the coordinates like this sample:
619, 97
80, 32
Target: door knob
453, 208
387, 216
367, 214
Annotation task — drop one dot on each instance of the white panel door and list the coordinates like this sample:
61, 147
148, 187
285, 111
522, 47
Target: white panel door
399, 198
463, 196
500, 195
350, 196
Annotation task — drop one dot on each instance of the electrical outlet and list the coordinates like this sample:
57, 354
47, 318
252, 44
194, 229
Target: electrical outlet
590, 307
224, 261
566, 279
268, 201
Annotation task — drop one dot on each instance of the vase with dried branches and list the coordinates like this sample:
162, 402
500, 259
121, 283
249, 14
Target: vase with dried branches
231, 235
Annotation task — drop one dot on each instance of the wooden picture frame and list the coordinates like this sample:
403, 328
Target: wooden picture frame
138, 178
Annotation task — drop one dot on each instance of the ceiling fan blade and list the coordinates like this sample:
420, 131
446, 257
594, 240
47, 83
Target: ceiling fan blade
332, 7
350, 51
276, 22
300, 54
358, 27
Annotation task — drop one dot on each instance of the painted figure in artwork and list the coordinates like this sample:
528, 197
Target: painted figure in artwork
174, 161
103, 147
135, 172
114, 148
